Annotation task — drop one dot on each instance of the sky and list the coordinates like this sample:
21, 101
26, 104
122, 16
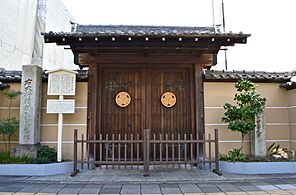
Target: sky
271, 24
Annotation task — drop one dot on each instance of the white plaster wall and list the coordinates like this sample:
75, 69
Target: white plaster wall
17, 27
57, 19
17, 32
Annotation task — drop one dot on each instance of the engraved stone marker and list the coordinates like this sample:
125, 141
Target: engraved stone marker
258, 144
29, 132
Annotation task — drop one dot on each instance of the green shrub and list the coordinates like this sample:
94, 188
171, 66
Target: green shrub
46, 152
233, 156
41, 160
5, 158
9, 126
249, 103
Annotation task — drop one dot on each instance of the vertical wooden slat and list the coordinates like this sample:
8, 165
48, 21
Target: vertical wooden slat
101, 150
197, 152
95, 149
217, 166
125, 149
119, 149
173, 150
160, 148
191, 150
112, 150
138, 150
146, 152
210, 156
185, 151
106, 150
75, 154
204, 148
87, 151
154, 148
179, 150
132, 150
82, 148
166, 149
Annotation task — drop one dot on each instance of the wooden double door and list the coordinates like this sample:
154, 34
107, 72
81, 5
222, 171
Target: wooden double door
144, 88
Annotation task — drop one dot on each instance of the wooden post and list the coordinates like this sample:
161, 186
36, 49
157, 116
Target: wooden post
93, 103
217, 166
75, 171
146, 151
199, 107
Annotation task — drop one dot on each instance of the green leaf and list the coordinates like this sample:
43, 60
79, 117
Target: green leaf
11, 94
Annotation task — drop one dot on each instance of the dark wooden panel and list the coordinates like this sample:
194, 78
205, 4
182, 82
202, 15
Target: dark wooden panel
115, 119
92, 103
176, 119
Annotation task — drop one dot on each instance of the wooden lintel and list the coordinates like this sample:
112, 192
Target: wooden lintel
85, 59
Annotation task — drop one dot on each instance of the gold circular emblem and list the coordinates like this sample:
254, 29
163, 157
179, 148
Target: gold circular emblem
123, 99
168, 99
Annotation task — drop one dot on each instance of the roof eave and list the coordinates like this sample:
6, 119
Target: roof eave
78, 38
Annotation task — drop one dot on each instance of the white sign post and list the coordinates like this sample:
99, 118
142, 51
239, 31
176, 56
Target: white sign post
60, 133
61, 82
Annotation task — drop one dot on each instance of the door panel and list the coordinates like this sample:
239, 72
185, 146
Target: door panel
146, 86
122, 120
176, 119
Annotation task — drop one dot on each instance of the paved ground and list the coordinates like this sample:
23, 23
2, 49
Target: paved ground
161, 182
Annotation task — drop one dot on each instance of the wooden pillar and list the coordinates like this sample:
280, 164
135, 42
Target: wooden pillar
92, 104
199, 105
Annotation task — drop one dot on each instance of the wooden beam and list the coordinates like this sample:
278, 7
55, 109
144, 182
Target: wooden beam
131, 59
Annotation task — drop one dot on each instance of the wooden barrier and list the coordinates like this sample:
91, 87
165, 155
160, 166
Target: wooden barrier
132, 152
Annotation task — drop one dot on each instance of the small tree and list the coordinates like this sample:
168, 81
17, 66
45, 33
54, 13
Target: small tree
241, 117
8, 126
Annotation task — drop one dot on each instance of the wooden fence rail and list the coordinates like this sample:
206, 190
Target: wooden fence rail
117, 151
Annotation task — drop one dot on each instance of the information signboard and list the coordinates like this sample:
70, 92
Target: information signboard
60, 106
61, 82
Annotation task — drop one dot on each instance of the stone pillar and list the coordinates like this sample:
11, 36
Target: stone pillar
30, 110
258, 137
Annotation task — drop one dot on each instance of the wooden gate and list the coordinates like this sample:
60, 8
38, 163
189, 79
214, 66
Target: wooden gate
140, 92
145, 88
173, 151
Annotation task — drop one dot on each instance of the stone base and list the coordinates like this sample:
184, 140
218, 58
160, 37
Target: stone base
258, 167
36, 169
30, 150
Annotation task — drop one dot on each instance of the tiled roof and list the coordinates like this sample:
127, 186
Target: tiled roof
210, 76
129, 30
16, 76
142, 30
256, 76
10, 76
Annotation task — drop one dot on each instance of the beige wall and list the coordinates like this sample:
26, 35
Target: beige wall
15, 109
291, 98
71, 121
280, 116
277, 114
49, 121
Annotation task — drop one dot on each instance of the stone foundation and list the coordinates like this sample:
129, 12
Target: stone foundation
30, 150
